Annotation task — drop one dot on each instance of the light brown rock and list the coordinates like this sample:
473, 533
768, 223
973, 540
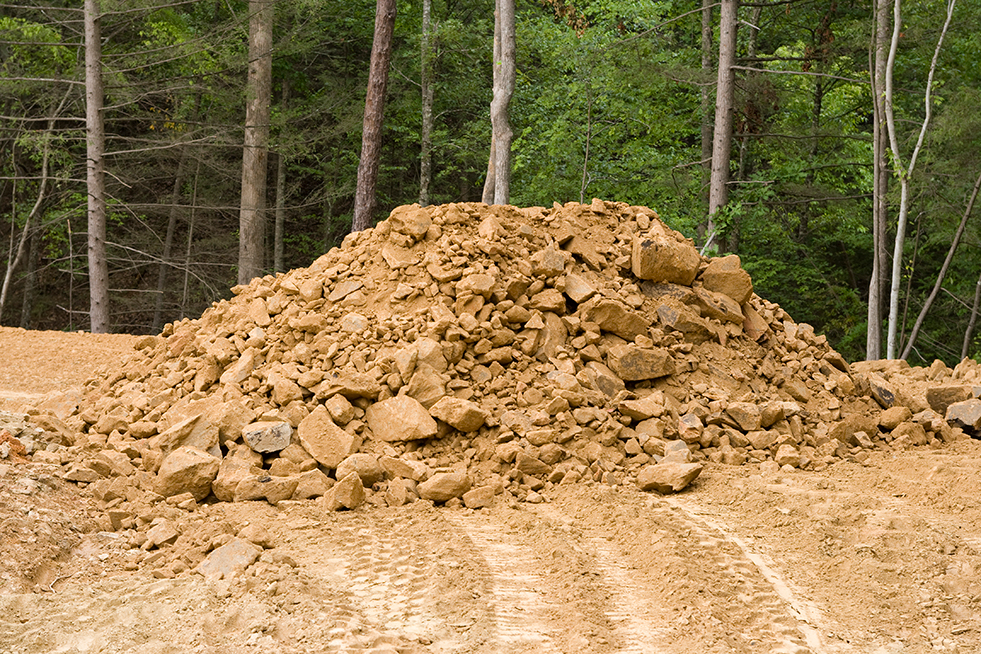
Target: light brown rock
347, 493
324, 440
443, 486
187, 470
400, 418
668, 477
463, 415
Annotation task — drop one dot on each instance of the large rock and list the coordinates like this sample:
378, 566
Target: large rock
268, 435
347, 493
845, 430
187, 470
679, 317
229, 560
324, 440
411, 220
941, 397
614, 317
966, 414
364, 465
726, 275
663, 258
265, 487
463, 415
632, 363
747, 415
443, 486
668, 477
231, 472
400, 418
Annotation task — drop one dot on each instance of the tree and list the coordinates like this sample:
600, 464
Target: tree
880, 176
255, 153
904, 174
374, 115
722, 138
426, 84
95, 173
505, 46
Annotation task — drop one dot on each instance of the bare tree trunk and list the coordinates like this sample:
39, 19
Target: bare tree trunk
943, 270
722, 138
904, 175
504, 80
190, 239
255, 153
95, 173
426, 132
707, 59
880, 178
969, 332
487, 197
374, 115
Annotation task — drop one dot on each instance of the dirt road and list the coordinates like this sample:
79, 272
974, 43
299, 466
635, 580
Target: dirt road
878, 558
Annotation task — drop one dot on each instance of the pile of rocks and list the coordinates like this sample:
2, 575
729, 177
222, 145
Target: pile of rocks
463, 352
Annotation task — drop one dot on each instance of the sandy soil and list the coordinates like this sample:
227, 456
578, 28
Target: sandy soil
877, 558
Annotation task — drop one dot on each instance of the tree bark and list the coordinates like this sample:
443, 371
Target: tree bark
374, 115
706, 93
880, 178
904, 175
722, 135
504, 81
95, 139
255, 153
969, 332
487, 197
426, 132
943, 270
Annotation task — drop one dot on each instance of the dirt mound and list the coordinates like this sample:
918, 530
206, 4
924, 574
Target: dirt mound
466, 352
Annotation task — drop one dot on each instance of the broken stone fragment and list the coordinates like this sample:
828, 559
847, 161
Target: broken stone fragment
632, 363
187, 470
718, 306
479, 498
324, 440
668, 477
443, 486
310, 484
230, 473
965, 414
410, 220
662, 258
265, 487
787, 455
364, 465
548, 262
726, 275
613, 317
267, 436
651, 406
845, 429
347, 493
400, 418
747, 415
463, 415
681, 318
229, 560
941, 397
578, 289
395, 468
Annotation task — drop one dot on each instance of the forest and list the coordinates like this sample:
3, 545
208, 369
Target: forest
832, 144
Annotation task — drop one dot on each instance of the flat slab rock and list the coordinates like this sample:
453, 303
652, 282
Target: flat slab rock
668, 477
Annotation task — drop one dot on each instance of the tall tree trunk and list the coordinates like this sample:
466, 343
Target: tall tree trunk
722, 136
969, 332
880, 178
426, 132
904, 175
504, 80
943, 270
707, 59
487, 197
255, 153
95, 139
374, 115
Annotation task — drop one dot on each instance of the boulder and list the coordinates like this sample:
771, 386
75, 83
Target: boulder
662, 258
400, 418
267, 436
463, 415
229, 560
632, 363
324, 440
347, 493
187, 470
726, 275
364, 465
965, 414
668, 477
443, 486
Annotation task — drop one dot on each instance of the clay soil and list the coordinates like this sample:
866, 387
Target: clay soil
881, 557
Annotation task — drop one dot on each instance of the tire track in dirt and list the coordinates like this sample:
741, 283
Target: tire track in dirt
518, 602
766, 599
